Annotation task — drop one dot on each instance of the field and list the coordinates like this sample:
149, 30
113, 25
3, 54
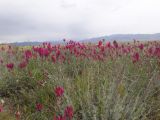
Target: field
77, 81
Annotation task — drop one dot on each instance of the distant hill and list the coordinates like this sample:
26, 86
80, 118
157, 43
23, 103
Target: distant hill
117, 37
26, 43
34, 43
126, 37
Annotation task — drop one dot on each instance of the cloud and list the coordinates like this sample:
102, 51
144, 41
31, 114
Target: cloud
66, 4
24, 20
14, 23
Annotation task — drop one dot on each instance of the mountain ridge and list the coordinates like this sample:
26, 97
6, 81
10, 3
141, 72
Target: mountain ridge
117, 37
126, 37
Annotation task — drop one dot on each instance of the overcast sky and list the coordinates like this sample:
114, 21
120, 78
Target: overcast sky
33, 20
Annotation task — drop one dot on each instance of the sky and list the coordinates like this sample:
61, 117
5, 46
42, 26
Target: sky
43, 20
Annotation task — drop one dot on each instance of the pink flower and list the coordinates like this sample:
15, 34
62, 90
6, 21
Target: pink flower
53, 58
108, 44
135, 57
60, 117
43, 52
141, 46
10, 66
69, 112
150, 51
115, 44
17, 114
100, 43
1, 108
28, 54
59, 91
39, 106
58, 52
46, 52
23, 64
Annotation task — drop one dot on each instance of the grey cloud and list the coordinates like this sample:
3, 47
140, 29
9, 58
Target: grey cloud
68, 3
17, 26
14, 24
78, 19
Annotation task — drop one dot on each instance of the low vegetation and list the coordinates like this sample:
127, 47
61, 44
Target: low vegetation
76, 81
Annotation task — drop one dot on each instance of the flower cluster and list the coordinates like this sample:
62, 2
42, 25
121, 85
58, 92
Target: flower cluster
22, 62
68, 112
98, 52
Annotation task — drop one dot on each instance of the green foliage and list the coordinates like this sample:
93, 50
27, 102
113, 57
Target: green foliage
109, 90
